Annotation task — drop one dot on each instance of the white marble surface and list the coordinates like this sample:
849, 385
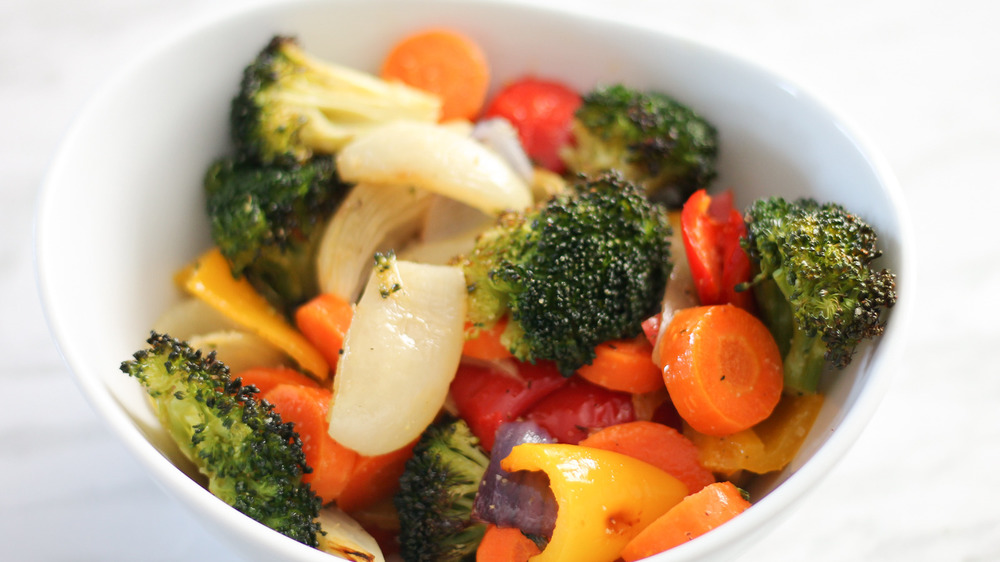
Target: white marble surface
921, 78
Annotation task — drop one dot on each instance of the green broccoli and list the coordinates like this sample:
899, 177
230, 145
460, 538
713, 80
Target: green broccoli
817, 288
584, 267
252, 459
436, 495
267, 220
651, 138
292, 105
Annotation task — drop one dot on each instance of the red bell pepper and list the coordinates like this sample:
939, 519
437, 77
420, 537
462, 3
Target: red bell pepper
570, 413
711, 229
487, 397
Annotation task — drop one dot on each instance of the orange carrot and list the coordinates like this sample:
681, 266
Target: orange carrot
373, 479
324, 321
658, 445
722, 368
625, 365
696, 515
266, 378
331, 462
442, 62
505, 544
486, 343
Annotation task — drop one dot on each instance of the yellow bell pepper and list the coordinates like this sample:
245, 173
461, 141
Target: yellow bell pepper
765, 447
210, 279
605, 498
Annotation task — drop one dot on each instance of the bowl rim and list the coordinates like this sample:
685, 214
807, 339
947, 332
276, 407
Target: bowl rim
775, 505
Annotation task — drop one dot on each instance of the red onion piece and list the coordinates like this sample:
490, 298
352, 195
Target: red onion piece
519, 499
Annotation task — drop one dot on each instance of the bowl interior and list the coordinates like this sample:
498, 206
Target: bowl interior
122, 210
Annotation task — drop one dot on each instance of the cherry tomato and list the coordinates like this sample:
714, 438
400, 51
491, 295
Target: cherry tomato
488, 397
542, 112
711, 229
574, 410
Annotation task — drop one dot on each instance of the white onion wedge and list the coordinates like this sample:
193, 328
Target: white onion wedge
435, 158
372, 218
345, 537
191, 317
207, 329
240, 350
450, 229
400, 356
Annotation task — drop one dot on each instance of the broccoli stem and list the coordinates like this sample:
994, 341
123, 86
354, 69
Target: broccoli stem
804, 363
776, 313
804, 355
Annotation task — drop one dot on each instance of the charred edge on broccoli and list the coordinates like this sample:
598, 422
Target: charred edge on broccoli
584, 267
253, 460
650, 137
267, 220
817, 286
436, 495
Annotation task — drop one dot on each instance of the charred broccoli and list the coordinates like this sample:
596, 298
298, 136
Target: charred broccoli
818, 290
252, 459
651, 138
436, 495
292, 105
584, 267
267, 221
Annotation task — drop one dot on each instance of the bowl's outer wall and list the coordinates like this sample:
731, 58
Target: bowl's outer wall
122, 208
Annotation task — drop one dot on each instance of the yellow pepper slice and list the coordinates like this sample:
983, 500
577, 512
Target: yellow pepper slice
210, 279
765, 447
604, 498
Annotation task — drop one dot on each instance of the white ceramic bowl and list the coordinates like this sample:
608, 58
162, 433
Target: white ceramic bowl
121, 209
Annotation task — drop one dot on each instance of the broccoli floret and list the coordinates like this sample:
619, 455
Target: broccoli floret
292, 105
267, 220
436, 495
584, 267
252, 459
818, 290
651, 138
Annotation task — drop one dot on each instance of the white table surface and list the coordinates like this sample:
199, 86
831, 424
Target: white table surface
920, 78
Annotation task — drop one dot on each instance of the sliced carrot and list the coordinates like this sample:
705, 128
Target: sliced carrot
696, 515
442, 62
485, 343
324, 321
266, 378
722, 368
374, 479
332, 464
505, 544
657, 444
625, 365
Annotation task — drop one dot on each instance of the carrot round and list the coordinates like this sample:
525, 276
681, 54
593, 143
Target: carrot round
266, 378
722, 368
486, 343
324, 321
658, 445
625, 365
374, 479
442, 62
331, 462
696, 515
505, 544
